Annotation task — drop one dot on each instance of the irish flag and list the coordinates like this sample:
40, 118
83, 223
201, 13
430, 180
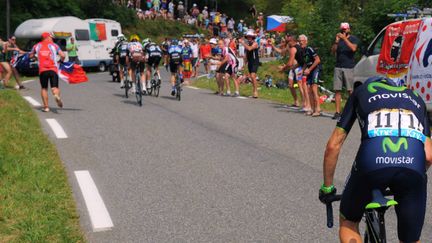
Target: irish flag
97, 31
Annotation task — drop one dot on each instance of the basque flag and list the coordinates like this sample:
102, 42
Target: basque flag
72, 73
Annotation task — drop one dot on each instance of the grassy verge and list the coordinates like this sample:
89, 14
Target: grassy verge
282, 96
36, 203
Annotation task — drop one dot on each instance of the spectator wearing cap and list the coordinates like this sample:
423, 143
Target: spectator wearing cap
46, 52
344, 47
252, 58
205, 13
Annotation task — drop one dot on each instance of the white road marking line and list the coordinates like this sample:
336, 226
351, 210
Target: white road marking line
99, 216
57, 129
242, 97
192, 87
32, 101
204, 75
28, 81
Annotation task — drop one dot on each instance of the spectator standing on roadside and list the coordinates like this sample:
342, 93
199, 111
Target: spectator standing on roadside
130, 4
344, 47
252, 58
7, 71
205, 54
240, 27
311, 70
205, 13
195, 57
149, 4
72, 49
12, 51
138, 4
46, 52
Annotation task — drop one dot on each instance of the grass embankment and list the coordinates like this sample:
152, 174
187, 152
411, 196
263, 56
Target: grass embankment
36, 203
160, 29
282, 96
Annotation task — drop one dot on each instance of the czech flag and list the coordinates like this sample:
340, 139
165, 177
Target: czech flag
72, 73
277, 22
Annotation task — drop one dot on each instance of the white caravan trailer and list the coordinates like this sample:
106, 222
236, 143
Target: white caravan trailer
94, 37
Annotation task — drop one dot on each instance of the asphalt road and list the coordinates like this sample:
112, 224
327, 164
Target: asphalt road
206, 169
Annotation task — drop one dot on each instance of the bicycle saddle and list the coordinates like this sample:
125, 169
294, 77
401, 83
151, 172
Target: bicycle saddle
379, 201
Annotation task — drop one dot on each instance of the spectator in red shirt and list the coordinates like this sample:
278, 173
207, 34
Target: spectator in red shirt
205, 54
46, 52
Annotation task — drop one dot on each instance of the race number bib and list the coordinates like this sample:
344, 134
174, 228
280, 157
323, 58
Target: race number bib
395, 122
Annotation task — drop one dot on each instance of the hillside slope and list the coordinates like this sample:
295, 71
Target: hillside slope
159, 29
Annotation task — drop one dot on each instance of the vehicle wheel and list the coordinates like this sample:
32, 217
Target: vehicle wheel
102, 67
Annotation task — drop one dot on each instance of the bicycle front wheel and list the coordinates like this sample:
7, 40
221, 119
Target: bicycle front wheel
157, 88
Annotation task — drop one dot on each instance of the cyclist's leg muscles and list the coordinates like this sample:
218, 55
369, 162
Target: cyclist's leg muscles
409, 188
354, 199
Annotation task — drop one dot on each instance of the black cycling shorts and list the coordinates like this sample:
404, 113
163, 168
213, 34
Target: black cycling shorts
226, 68
48, 76
253, 67
135, 65
154, 61
408, 187
174, 67
122, 61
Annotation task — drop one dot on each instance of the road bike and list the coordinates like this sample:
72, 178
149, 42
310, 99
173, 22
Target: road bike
374, 215
155, 83
138, 85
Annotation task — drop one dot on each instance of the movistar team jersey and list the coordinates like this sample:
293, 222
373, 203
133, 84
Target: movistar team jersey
153, 50
186, 53
393, 122
174, 53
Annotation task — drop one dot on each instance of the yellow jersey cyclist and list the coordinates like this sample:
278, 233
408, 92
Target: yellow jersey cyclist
395, 152
135, 60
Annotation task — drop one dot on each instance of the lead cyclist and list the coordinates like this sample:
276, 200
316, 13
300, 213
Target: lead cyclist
395, 152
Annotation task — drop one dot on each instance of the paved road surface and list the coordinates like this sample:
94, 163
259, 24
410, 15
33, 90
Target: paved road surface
206, 169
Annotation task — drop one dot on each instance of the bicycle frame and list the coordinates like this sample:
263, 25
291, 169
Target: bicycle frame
374, 218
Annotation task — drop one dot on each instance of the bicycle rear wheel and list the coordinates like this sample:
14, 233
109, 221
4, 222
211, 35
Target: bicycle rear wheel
138, 91
126, 87
178, 92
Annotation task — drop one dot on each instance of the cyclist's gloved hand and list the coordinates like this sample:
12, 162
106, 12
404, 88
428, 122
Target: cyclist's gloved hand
326, 194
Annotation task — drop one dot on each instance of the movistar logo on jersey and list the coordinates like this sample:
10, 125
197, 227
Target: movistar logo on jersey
372, 87
393, 96
387, 144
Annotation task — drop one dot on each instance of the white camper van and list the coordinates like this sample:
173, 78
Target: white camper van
94, 37
417, 74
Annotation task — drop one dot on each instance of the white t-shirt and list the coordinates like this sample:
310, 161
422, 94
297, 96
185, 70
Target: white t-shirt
195, 50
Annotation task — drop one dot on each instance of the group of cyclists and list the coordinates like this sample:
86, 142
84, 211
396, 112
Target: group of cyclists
146, 56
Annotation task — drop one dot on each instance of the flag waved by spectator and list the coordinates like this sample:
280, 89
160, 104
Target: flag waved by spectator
72, 73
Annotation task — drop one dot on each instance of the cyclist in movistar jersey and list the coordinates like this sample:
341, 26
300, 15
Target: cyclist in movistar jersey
395, 152
175, 61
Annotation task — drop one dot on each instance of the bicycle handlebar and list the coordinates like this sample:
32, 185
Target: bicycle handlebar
329, 209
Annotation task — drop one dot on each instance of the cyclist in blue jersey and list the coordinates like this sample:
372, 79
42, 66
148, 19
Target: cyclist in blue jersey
395, 152
175, 61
